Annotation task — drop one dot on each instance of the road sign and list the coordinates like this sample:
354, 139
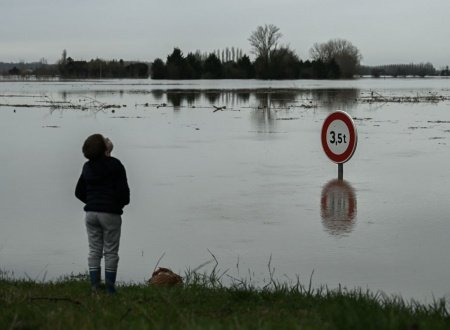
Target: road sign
339, 137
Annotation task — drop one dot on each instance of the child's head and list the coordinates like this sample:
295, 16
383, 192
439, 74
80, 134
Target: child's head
94, 147
109, 147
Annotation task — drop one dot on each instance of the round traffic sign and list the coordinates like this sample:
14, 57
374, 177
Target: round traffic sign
339, 137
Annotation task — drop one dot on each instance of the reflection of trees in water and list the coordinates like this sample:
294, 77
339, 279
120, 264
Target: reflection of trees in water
243, 97
230, 99
264, 119
192, 98
157, 94
336, 99
175, 99
179, 99
212, 97
338, 207
275, 99
330, 99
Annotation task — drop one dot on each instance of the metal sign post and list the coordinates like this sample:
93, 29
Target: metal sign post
341, 171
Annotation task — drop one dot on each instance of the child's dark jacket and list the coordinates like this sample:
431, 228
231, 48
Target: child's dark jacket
103, 186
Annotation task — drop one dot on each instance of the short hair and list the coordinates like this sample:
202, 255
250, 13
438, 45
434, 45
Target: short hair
94, 147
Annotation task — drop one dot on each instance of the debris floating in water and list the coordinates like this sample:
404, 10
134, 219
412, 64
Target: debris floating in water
430, 97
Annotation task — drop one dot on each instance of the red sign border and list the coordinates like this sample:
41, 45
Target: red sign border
353, 141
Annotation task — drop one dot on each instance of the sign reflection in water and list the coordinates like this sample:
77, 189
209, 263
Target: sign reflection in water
338, 207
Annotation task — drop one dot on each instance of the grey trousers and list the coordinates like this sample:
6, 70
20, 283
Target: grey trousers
103, 230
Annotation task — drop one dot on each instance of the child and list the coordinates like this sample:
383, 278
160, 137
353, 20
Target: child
103, 187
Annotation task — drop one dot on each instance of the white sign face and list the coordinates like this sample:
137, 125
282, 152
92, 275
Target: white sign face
338, 137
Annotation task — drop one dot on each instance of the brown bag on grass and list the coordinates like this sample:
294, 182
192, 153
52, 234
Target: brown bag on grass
164, 276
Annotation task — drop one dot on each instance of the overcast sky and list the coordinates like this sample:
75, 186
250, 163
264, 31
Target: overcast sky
385, 31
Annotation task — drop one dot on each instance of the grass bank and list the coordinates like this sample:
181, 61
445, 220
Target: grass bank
203, 303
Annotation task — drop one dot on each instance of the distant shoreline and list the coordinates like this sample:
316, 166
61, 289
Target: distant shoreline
8, 78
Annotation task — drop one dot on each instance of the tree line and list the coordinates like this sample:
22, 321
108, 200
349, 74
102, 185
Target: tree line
331, 60
68, 68
403, 70
284, 64
41, 68
335, 59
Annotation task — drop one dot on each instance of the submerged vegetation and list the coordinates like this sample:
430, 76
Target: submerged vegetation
375, 97
203, 302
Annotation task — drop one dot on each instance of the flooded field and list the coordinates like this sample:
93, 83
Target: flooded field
235, 170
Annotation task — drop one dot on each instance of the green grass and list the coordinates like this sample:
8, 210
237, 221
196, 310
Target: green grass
204, 303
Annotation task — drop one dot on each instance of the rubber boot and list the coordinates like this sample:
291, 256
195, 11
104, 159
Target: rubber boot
94, 276
110, 281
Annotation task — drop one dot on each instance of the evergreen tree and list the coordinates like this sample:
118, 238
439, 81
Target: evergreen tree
245, 68
158, 69
193, 66
175, 65
212, 67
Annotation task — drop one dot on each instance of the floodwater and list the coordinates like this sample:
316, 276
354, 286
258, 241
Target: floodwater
248, 184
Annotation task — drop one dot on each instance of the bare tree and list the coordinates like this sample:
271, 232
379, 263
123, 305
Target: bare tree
264, 39
343, 52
